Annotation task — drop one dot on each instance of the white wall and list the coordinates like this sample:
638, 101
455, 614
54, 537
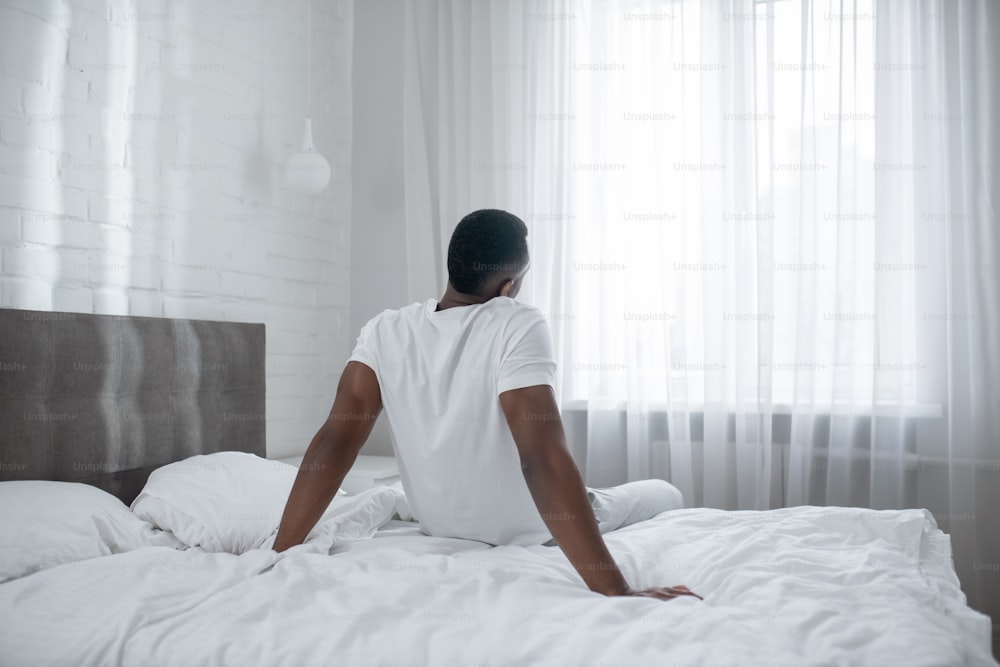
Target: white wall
378, 267
141, 147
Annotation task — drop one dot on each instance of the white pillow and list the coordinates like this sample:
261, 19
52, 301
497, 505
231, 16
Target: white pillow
44, 524
227, 501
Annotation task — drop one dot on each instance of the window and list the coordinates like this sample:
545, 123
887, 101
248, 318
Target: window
724, 232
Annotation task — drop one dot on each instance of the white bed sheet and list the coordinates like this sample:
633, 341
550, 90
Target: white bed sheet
830, 586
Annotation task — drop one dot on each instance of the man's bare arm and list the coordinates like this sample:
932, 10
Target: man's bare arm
331, 453
559, 492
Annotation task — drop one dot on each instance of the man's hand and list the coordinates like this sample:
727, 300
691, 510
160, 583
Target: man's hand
331, 453
664, 593
559, 492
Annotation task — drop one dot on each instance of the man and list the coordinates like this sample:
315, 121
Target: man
467, 385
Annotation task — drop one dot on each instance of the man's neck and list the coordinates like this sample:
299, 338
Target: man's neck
453, 299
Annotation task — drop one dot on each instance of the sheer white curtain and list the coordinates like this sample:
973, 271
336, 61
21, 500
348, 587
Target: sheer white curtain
466, 141
764, 234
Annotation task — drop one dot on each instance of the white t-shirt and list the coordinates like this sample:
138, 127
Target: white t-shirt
440, 374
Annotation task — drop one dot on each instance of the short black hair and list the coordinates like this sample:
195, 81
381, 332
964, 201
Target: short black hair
485, 244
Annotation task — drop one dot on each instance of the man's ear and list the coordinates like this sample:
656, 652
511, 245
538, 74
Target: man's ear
506, 287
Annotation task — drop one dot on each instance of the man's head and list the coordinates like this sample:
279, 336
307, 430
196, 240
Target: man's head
488, 254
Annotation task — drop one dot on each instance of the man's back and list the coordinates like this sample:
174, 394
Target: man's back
440, 374
468, 391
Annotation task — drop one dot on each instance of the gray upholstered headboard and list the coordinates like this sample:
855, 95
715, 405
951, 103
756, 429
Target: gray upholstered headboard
105, 399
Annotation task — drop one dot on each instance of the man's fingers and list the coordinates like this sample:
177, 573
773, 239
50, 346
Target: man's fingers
666, 595
684, 590
668, 592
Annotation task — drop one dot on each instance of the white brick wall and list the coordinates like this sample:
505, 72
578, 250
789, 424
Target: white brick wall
141, 148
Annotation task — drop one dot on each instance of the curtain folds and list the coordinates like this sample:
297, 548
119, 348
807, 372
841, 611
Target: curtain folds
764, 235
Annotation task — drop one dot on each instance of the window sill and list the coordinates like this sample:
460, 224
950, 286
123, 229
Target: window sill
881, 409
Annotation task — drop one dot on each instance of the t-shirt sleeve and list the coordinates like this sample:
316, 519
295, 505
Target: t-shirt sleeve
365, 349
529, 360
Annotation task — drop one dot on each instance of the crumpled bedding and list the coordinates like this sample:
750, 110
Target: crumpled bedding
806, 585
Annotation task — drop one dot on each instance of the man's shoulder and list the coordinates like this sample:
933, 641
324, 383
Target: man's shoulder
509, 307
517, 316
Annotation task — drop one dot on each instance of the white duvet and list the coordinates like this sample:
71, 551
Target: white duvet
811, 585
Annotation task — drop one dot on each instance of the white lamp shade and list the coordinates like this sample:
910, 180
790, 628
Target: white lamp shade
307, 171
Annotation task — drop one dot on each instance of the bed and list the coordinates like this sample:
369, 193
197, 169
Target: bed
125, 401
